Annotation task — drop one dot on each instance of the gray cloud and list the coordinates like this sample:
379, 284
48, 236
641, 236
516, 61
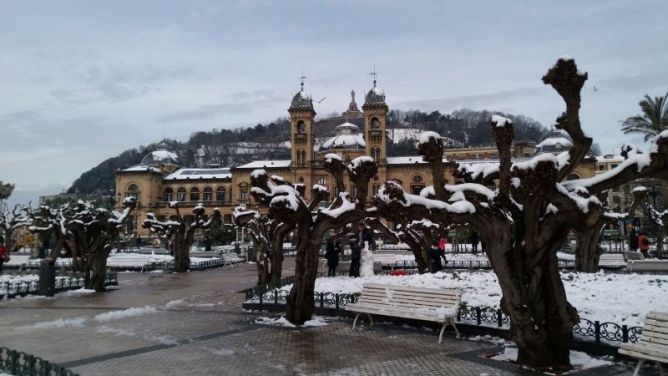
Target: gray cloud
241, 103
471, 100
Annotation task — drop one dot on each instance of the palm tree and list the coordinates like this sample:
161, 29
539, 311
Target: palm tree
654, 118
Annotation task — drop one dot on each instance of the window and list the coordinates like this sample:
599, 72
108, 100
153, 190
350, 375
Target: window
614, 165
301, 179
375, 154
375, 123
322, 181
601, 168
417, 179
207, 194
243, 192
168, 195
572, 177
220, 194
194, 194
133, 191
417, 184
374, 188
301, 127
181, 194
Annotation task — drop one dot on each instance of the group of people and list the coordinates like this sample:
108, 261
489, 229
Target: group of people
334, 251
639, 241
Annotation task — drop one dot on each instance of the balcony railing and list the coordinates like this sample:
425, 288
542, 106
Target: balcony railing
192, 204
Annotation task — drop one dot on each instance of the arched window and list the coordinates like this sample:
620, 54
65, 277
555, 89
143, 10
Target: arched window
181, 194
168, 195
207, 194
194, 194
243, 193
220, 194
417, 184
375, 123
375, 154
133, 191
301, 157
301, 127
301, 179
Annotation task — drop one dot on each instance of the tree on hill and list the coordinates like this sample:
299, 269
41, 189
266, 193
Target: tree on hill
525, 220
652, 121
6, 190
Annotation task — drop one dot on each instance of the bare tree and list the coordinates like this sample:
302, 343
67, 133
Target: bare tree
181, 231
588, 250
287, 204
87, 230
268, 236
11, 220
527, 217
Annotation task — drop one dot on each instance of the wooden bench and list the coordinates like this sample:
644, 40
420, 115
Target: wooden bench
612, 260
647, 265
437, 305
653, 344
633, 256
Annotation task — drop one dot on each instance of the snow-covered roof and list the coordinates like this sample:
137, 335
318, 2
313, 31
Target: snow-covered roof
140, 168
610, 159
199, 173
160, 156
347, 136
553, 141
282, 163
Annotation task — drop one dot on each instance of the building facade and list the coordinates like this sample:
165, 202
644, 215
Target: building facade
158, 180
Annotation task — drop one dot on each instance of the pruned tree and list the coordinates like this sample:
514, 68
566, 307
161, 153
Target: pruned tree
87, 230
525, 219
287, 204
268, 236
588, 250
181, 231
660, 220
11, 220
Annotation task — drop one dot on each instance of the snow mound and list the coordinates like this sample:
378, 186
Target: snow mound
130, 312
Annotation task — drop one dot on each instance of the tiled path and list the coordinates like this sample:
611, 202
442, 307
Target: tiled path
195, 326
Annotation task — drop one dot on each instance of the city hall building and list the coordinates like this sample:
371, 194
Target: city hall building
159, 179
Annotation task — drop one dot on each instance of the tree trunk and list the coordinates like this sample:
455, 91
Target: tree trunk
587, 250
300, 301
277, 262
659, 242
181, 253
261, 261
542, 320
97, 271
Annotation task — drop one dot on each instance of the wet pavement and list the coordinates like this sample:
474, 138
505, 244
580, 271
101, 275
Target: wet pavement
193, 324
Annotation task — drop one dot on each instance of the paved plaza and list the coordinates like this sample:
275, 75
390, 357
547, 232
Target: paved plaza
193, 324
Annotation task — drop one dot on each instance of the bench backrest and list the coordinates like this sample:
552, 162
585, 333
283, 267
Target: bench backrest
410, 297
633, 255
655, 331
612, 257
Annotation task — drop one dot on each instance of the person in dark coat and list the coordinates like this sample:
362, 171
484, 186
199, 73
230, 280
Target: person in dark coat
633, 241
434, 259
473, 239
4, 253
365, 235
355, 257
332, 256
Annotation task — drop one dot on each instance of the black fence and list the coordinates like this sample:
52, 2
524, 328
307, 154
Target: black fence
10, 290
21, 364
263, 297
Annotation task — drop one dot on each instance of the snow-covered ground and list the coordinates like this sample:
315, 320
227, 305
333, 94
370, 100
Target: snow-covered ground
606, 297
116, 260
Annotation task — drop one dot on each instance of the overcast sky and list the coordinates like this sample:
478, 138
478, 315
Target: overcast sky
81, 81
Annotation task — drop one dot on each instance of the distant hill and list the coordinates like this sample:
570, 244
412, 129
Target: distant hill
231, 147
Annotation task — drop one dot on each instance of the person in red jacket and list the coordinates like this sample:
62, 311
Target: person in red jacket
643, 244
4, 253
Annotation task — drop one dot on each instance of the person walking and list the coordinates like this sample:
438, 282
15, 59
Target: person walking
355, 257
4, 253
332, 257
473, 239
643, 244
633, 241
434, 259
442, 245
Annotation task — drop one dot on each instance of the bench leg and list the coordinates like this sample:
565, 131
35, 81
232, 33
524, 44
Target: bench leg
447, 322
440, 336
637, 371
452, 321
355, 321
370, 319
660, 368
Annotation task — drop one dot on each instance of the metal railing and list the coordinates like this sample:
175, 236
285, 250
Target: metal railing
263, 296
18, 363
12, 289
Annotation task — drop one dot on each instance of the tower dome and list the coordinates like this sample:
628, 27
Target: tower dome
375, 95
347, 137
160, 157
556, 142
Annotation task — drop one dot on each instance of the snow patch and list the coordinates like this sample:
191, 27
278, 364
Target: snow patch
130, 312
